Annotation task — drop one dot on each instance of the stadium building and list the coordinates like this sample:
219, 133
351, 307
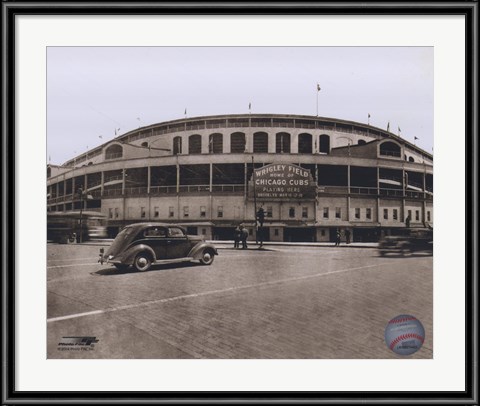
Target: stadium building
313, 176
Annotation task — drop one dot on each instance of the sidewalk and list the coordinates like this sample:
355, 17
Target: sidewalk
271, 244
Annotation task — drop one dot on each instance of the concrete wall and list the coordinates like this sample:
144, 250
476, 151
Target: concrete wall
363, 204
390, 206
414, 207
332, 203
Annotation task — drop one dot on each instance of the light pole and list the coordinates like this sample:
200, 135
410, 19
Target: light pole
255, 202
80, 195
318, 91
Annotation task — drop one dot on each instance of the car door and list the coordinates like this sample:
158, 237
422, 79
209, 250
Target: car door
178, 245
156, 238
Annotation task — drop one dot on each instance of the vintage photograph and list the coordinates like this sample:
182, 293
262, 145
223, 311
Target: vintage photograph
240, 202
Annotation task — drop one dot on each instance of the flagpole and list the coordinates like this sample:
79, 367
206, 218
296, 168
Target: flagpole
254, 202
318, 91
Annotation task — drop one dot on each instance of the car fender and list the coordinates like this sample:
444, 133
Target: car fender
132, 252
196, 251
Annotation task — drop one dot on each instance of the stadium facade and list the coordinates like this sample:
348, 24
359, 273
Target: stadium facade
313, 176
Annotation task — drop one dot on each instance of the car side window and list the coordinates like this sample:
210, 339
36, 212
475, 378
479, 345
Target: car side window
155, 232
175, 232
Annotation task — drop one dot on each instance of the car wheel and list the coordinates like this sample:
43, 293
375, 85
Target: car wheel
121, 267
142, 262
207, 257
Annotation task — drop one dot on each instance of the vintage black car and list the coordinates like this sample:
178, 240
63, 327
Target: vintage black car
143, 244
407, 241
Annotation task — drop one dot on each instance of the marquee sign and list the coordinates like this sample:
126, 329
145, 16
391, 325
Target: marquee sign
282, 182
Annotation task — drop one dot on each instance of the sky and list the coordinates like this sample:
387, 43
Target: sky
94, 91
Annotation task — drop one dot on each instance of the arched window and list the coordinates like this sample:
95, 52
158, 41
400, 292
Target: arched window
49, 172
305, 143
145, 144
324, 144
282, 143
410, 159
90, 163
177, 145
362, 142
195, 144
114, 151
389, 148
215, 144
260, 142
237, 143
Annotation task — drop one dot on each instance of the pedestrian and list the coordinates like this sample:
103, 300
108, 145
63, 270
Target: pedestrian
347, 235
407, 221
244, 237
237, 235
338, 236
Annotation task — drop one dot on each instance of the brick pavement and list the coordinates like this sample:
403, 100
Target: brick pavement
282, 313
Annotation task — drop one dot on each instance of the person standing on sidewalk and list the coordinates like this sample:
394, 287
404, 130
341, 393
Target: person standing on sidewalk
347, 235
338, 237
237, 235
244, 237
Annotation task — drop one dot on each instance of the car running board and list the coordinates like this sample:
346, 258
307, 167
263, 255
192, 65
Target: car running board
173, 260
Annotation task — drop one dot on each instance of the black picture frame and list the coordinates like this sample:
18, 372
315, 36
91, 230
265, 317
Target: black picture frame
9, 10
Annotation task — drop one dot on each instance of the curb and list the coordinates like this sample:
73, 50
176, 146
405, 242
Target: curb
253, 246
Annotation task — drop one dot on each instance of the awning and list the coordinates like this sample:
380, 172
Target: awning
364, 224
94, 187
418, 189
113, 182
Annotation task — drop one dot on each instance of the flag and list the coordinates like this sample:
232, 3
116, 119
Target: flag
415, 138
185, 111
100, 136
368, 115
399, 130
388, 126
249, 106
318, 87
115, 131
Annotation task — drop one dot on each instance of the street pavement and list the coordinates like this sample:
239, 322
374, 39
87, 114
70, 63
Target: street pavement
280, 302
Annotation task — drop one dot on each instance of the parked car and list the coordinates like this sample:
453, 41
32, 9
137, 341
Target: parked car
407, 241
143, 244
